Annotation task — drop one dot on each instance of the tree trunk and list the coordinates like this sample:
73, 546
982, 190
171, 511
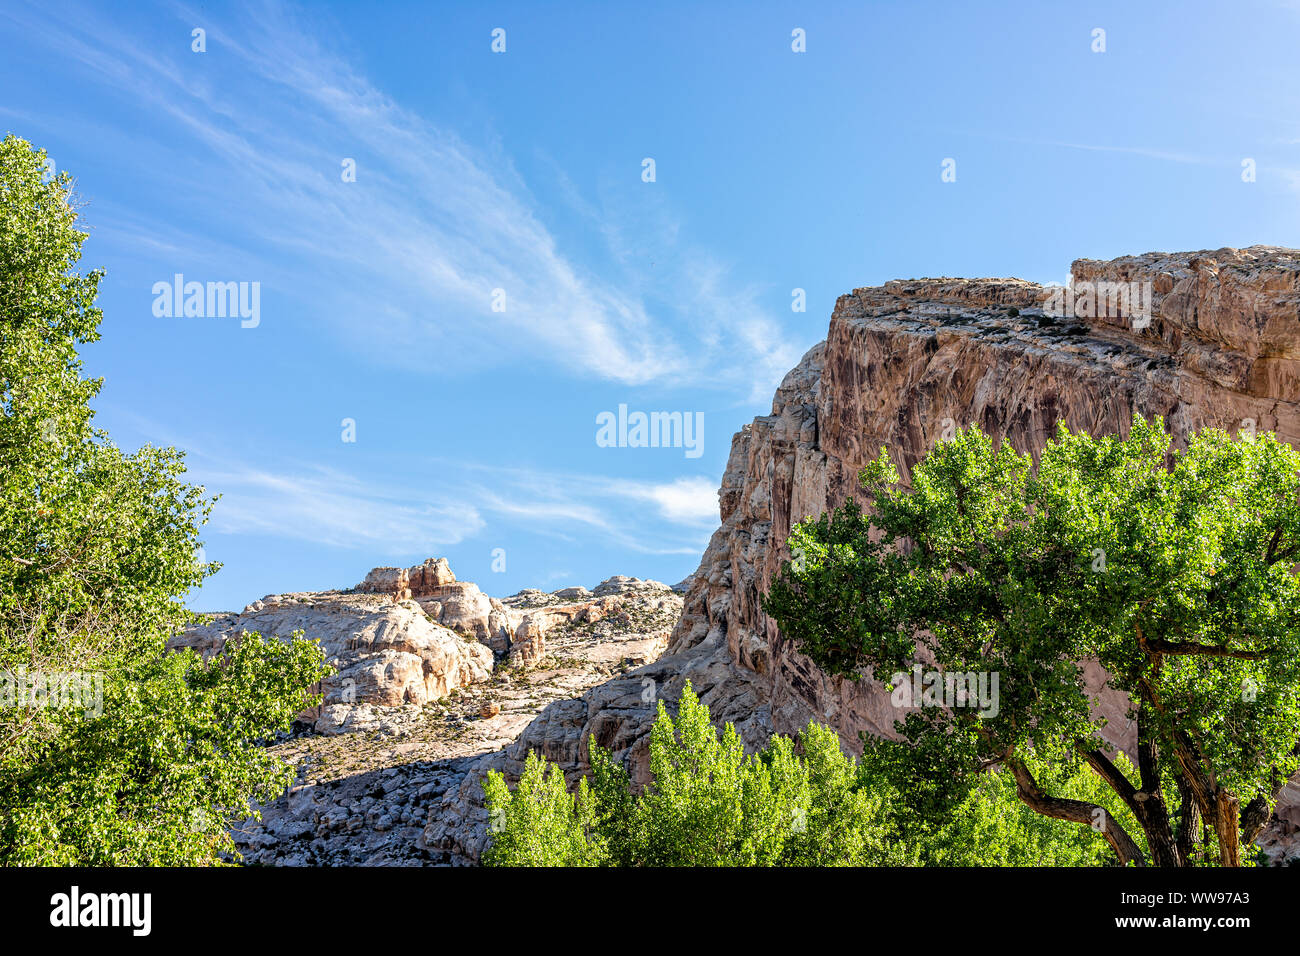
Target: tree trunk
1228, 828
1152, 813
1154, 819
1190, 822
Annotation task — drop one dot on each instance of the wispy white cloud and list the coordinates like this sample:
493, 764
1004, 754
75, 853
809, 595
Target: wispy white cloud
685, 501
308, 502
671, 517
1162, 154
323, 507
556, 576
1289, 175
431, 227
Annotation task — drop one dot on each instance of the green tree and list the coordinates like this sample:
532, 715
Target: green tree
540, 823
1176, 571
845, 819
159, 778
97, 550
991, 826
800, 802
709, 804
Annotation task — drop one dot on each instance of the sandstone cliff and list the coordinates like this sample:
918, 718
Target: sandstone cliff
1216, 342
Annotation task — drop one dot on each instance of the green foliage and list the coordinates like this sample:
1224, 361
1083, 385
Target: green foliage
990, 825
539, 824
1175, 571
797, 803
710, 804
97, 550
87, 532
169, 766
847, 821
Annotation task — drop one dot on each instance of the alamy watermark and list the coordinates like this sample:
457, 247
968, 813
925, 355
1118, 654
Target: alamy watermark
1104, 299
39, 690
922, 688
75, 908
181, 299
651, 430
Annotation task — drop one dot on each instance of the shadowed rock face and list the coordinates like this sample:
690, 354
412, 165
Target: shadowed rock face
901, 364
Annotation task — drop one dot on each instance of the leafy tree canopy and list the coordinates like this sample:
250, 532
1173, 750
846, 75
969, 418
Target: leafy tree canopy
97, 549
1174, 570
800, 802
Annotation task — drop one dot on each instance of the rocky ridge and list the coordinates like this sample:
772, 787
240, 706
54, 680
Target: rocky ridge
416, 705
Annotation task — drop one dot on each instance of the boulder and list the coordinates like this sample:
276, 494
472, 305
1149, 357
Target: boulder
391, 581
463, 608
433, 573
572, 594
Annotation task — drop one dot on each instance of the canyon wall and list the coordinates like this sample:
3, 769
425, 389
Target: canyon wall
904, 362
1216, 343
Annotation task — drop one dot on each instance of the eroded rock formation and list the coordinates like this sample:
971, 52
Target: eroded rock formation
370, 772
407, 637
901, 364
386, 652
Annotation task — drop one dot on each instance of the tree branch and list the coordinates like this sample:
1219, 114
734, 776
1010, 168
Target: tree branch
1271, 556
1075, 811
1255, 814
1113, 776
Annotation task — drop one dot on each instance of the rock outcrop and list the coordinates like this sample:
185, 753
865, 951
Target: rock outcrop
420, 581
1216, 342
407, 637
905, 362
372, 775
513, 628
457, 605
385, 652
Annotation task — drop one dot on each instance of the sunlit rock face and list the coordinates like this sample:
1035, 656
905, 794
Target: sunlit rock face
1204, 338
1217, 343
383, 651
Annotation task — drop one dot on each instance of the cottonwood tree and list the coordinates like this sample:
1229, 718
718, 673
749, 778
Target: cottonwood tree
1176, 571
98, 548
798, 802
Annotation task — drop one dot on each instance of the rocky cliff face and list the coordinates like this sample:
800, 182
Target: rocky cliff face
1214, 339
905, 362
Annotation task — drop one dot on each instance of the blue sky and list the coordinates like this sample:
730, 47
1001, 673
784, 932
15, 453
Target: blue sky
476, 429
